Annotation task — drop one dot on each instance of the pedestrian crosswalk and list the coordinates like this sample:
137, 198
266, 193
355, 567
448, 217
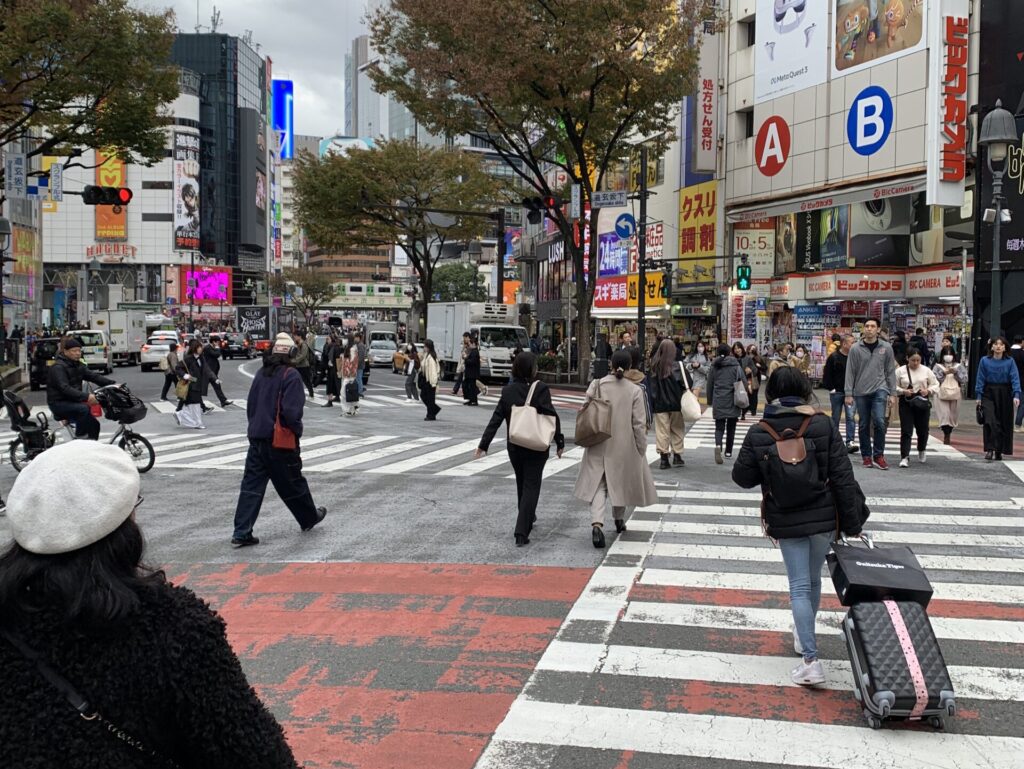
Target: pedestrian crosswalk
679, 649
376, 397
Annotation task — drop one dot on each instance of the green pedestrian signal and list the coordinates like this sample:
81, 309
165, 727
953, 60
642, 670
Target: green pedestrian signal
743, 277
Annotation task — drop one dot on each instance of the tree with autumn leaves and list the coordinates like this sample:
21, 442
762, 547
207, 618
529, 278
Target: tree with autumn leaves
568, 84
401, 194
85, 74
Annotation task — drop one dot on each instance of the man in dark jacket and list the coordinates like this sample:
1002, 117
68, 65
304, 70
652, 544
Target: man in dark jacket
919, 341
211, 360
833, 379
277, 383
64, 393
303, 362
471, 373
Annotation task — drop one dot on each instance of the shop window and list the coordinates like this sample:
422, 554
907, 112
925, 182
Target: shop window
746, 123
746, 36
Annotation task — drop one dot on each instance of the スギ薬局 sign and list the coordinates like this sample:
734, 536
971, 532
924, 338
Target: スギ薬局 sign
949, 32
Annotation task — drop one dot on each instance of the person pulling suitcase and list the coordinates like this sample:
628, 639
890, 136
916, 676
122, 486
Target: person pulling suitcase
802, 466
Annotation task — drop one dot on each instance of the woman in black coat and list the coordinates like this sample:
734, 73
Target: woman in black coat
194, 371
803, 503
471, 374
527, 463
329, 358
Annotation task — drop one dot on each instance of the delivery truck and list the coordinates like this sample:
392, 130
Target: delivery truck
126, 331
494, 326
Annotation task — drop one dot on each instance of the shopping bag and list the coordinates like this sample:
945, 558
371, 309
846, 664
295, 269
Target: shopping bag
529, 428
873, 573
689, 404
181, 389
594, 420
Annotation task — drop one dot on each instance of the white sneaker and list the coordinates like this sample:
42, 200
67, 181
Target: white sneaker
905, 462
922, 456
797, 646
809, 673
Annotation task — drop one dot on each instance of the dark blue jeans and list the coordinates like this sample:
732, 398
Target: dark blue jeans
839, 407
871, 412
86, 425
283, 469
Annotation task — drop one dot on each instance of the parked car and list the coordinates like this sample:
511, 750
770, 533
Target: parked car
41, 354
381, 352
154, 350
399, 358
236, 345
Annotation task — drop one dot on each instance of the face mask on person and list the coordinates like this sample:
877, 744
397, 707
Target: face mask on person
700, 350
947, 359
799, 353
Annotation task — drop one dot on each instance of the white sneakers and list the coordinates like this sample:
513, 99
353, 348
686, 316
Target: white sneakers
905, 462
809, 673
922, 456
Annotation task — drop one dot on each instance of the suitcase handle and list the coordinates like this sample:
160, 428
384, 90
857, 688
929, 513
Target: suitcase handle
865, 538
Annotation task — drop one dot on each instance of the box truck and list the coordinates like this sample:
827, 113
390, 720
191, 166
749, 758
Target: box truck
126, 332
494, 326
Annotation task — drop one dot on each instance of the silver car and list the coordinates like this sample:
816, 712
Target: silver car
381, 352
155, 350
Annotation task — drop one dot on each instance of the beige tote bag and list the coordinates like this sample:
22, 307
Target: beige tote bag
529, 428
594, 420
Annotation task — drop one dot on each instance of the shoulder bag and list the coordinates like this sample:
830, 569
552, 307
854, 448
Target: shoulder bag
916, 402
594, 420
81, 705
181, 387
529, 428
284, 439
949, 390
740, 396
688, 404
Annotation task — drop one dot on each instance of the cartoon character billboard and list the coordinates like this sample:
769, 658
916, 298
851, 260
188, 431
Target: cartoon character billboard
871, 32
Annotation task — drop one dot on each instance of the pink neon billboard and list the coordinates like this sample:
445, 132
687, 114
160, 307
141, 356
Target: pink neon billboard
212, 284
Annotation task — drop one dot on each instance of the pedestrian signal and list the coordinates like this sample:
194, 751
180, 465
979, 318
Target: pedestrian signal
743, 277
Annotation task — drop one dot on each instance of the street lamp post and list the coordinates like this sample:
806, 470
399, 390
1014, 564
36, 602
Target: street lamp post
998, 132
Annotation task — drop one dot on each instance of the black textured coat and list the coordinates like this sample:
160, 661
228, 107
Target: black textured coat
64, 381
830, 454
166, 675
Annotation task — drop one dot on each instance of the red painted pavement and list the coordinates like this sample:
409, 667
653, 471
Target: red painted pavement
387, 666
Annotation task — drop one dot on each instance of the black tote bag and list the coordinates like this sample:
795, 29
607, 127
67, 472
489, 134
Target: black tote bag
862, 574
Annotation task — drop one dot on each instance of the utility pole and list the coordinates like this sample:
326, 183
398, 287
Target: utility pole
499, 217
641, 234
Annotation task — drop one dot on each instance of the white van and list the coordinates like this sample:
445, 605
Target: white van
96, 352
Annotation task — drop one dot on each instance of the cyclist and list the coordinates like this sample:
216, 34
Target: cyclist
64, 393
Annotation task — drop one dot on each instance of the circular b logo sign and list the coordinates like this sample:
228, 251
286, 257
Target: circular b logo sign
870, 120
771, 148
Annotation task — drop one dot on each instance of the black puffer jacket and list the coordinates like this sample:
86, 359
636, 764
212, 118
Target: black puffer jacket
64, 381
166, 675
843, 491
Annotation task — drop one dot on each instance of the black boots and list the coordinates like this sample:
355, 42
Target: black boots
620, 525
664, 462
677, 460
597, 536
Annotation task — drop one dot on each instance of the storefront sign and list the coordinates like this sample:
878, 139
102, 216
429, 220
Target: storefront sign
610, 292
772, 145
186, 192
657, 294
655, 246
698, 214
908, 187
856, 285
111, 172
872, 34
948, 34
756, 239
931, 284
870, 120
101, 250
788, 289
706, 116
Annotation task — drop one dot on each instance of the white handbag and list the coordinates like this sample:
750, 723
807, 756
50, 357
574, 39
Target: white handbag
689, 404
529, 428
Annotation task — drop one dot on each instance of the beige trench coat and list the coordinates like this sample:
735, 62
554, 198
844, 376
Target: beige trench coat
622, 459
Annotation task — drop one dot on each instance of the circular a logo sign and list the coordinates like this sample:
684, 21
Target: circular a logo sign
771, 148
870, 120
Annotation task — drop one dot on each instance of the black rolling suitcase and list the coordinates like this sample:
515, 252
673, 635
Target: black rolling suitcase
898, 668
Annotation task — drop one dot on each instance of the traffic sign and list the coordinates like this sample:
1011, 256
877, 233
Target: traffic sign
870, 120
771, 148
625, 226
613, 199
576, 202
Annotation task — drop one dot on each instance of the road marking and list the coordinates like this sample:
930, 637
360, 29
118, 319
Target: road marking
755, 496
556, 465
191, 438
733, 738
881, 537
496, 458
206, 449
226, 461
414, 463
970, 682
375, 454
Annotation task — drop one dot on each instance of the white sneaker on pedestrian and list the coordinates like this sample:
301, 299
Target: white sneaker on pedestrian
809, 673
905, 462
922, 456
1019, 429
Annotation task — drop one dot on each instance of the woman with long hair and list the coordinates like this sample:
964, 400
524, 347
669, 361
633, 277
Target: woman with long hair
329, 361
697, 366
615, 471
947, 404
150, 659
722, 378
801, 360
349, 373
410, 369
754, 367
430, 375
192, 370
528, 463
801, 516
997, 387
666, 383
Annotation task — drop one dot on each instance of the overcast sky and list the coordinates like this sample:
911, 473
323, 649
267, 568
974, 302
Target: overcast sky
306, 39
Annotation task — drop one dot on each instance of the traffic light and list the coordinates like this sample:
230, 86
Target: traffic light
539, 207
106, 196
743, 277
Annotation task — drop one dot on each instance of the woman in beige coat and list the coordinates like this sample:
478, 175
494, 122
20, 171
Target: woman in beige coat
616, 470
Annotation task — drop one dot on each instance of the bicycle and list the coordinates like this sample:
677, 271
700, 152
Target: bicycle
118, 405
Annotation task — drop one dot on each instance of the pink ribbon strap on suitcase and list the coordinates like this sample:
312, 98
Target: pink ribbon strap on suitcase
913, 664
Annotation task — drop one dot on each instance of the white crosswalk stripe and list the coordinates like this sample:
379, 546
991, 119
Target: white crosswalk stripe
682, 607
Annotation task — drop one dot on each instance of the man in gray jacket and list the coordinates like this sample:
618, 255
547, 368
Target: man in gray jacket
871, 383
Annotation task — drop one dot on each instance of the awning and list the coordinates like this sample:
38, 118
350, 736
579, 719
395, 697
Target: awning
630, 313
818, 200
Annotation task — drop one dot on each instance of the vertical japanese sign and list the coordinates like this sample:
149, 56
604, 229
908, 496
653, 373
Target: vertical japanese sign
111, 172
15, 175
706, 114
948, 33
186, 192
698, 214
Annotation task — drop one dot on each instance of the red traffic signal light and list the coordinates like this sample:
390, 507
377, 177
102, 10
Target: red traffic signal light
106, 196
537, 208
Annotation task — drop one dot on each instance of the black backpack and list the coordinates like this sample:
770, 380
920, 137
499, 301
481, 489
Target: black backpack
790, 468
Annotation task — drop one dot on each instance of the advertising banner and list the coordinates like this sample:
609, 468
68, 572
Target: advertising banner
698, 215
834, 232
656, 290
205, 284
756, 239
785, 244
808, 255
186, 192
792, 47
610, 292
810, 322
949, 29
872, 32
283, 116
613, 255
254, 321
880, 233
110, 172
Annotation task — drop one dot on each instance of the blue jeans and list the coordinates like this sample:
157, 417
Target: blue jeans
360, 386
838, 407
871, 411
804, 557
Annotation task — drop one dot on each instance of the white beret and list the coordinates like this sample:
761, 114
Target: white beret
71, 496
283, 344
